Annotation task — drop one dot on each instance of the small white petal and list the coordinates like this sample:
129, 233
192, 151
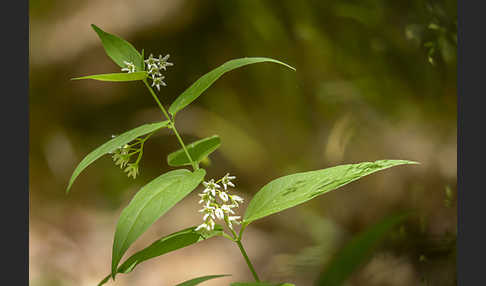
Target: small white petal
237, 198
223, 196
219, 214
201, 226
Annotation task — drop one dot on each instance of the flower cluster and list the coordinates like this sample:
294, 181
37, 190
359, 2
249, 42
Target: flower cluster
121, 156
154, 66
218, 203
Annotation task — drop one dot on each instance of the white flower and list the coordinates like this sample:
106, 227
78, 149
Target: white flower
232, 219
211, 186
223, 196
226, 181
207, 208
218, 203
205, 226
163, 63
158, 81
208, 215
130, 67
154, 71
219, 213
236, 199
204, 198
227, 208
210, 224
151, 62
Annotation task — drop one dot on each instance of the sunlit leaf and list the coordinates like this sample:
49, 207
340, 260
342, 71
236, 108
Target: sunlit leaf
150, 203
357, 251
118, 49
112, 145
197, 88
197, 150
199, 280
165, 245
292, 190
116, 77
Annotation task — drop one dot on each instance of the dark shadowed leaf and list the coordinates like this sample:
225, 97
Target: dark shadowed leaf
199, 280
198, 151
149, 204
164, 245
116, 77
118, 49
112, 145
357, 251
292, 190
197, 88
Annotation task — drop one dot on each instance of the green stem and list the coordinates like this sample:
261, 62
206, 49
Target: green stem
171, 124
243, 252
237, 240
194, 165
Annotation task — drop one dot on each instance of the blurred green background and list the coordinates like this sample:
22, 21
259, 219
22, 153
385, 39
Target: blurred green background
375, 80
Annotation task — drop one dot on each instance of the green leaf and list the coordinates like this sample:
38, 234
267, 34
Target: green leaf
197, 88
112, 145
119, 50
199, 280
292, 190
117, 77
150, 203
357, 251
165, 245
260, 284
198, 151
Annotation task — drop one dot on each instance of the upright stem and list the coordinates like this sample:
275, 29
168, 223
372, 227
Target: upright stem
243, 252
172, 124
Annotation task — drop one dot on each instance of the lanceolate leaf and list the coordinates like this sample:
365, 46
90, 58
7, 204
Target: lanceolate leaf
197, 88
150, 203
118, 49
200, 280
198, 151
357, 251
292, 190
164, 245
117, 77
260, 284
112, 145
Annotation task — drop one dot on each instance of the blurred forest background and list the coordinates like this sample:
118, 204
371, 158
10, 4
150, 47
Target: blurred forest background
375, 80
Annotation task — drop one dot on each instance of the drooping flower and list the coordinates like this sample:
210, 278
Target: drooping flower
233, 219
211, 187
132, 170
223, 196
226, 181
218, 203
